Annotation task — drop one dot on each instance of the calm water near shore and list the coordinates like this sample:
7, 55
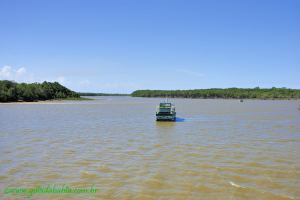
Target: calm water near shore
217, 149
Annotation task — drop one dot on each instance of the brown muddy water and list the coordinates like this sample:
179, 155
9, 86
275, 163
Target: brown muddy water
217, 149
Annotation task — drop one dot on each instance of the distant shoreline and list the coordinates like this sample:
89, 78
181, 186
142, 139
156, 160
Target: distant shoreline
11, 91
100, 94
245, 99
226, 93
68, 101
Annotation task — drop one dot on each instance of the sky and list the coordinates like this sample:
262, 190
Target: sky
118, 46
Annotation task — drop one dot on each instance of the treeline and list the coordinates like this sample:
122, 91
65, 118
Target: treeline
100, 94
229, 93
11, 91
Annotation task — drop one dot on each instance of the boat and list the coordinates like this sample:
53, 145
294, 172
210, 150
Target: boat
165, 112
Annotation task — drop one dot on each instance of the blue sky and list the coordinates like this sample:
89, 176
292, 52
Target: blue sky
121, 46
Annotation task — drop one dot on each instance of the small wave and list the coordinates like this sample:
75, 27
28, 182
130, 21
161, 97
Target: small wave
235, 185
289, 197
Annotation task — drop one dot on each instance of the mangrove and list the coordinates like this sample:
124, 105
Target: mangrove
227, 93
11, 91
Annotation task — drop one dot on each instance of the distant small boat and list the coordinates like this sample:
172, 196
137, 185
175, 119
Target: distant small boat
241, 100
165, 112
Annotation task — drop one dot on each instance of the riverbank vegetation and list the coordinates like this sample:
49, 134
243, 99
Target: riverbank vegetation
12, 92
228, 93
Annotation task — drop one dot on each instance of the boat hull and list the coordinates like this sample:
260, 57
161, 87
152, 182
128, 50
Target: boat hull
165, 117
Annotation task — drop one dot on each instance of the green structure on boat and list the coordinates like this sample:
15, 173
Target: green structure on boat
165, 112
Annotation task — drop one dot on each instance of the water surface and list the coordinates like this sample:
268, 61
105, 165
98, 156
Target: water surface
217, 149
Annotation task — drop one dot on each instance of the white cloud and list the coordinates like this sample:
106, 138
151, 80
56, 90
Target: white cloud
61, 79
19, 75
5, 72
20, 72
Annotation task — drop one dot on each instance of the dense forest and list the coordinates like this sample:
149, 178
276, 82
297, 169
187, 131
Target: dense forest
100, 94
11, 91
229, 93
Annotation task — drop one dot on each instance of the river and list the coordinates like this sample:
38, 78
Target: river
217, 149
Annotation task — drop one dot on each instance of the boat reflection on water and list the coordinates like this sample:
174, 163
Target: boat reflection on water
179, 119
